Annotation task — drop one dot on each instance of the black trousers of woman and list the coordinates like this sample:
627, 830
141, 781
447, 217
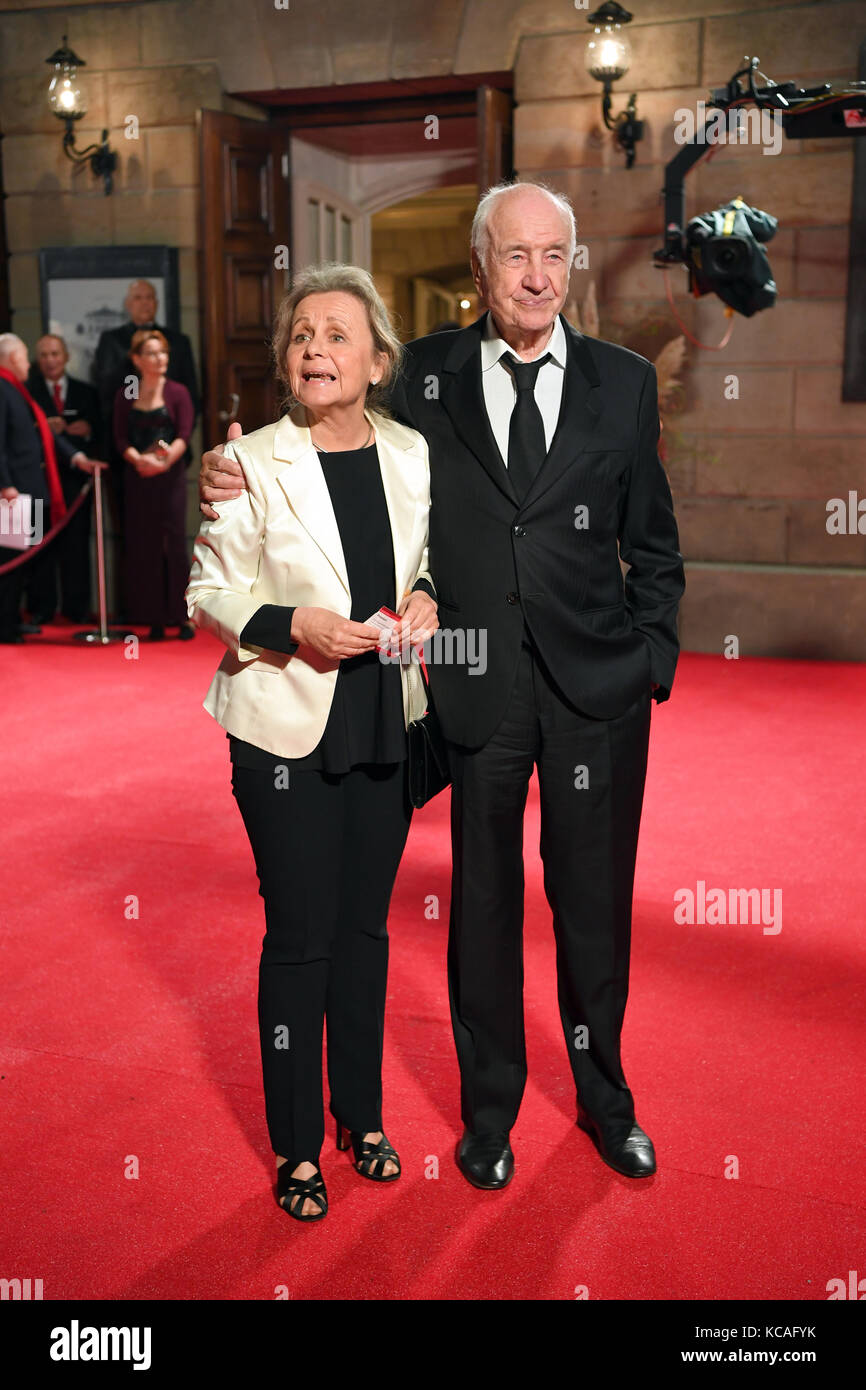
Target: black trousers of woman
327, 848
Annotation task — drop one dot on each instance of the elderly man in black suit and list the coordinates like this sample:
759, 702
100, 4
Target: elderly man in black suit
28, 460
72, 408
544, 473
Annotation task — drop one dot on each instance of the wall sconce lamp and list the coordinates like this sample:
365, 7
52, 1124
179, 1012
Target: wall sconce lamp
68, 100
608, 55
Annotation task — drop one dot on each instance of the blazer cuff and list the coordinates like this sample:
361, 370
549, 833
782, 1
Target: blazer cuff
270, 627
425, 586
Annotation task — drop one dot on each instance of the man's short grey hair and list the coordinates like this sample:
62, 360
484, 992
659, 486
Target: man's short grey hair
8, 343
480, 238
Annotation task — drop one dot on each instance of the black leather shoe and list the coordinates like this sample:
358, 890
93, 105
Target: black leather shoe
28, 629
633, 1156
486, 1160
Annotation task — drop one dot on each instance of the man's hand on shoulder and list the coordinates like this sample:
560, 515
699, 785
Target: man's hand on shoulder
220, 478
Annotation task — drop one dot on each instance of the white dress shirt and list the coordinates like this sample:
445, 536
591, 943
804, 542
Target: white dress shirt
500, 391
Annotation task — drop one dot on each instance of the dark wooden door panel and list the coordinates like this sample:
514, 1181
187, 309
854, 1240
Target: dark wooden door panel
495, 158
249, 296
245, 218
258, 394
248, 176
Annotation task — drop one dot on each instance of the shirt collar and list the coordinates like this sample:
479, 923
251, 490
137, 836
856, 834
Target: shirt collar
61, 382
492, 346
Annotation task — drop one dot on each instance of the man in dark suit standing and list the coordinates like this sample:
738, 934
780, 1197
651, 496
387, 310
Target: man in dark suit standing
72, 408
544, 471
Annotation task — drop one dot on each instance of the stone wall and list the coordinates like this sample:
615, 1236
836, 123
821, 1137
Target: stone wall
751, 476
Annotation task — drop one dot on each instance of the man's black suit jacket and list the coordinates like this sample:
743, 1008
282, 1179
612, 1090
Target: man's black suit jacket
83, 399
21, 464
497, 562
112, 363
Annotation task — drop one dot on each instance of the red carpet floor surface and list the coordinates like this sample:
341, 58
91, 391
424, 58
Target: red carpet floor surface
136, 1161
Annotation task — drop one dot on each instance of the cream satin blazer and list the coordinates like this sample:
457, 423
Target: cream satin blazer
279, 543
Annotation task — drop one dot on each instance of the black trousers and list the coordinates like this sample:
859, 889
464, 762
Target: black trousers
327, 849
39, 583
72, 553
11, 585
34, 582
588, 847
67, 559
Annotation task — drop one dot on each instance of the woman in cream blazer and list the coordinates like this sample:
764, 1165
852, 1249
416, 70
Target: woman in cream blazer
332, 526
282, 546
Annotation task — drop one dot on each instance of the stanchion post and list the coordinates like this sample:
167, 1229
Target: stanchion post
102, 635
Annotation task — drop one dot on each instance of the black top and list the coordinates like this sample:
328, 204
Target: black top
147, 427
365, 724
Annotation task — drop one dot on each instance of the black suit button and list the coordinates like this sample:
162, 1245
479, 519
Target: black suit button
518, 530
512, 598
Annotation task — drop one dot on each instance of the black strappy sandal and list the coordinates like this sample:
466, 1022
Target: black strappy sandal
368, 1155
302, 1188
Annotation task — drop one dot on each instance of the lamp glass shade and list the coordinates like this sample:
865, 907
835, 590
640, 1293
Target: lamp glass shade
608, 54
66, 94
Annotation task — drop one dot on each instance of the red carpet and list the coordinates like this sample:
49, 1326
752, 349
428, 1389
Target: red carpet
131, 1038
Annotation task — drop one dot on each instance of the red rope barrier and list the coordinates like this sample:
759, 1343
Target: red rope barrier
35, 549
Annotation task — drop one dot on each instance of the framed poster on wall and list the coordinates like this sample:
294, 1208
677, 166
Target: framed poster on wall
83, 289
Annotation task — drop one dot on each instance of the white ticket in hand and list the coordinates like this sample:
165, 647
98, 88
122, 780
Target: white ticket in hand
385, 620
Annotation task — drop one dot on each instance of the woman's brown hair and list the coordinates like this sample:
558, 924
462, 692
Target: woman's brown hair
144, 335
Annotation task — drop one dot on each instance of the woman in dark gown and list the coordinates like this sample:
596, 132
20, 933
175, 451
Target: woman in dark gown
151, 432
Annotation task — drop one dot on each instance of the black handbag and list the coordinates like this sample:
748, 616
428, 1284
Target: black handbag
429, 771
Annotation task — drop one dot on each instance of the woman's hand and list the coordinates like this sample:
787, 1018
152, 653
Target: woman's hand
331, 635
420, 616
170, 453
148, 465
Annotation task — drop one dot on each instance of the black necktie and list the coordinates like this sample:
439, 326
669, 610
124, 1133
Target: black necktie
526, 443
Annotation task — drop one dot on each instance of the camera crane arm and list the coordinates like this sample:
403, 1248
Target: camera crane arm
822, 112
